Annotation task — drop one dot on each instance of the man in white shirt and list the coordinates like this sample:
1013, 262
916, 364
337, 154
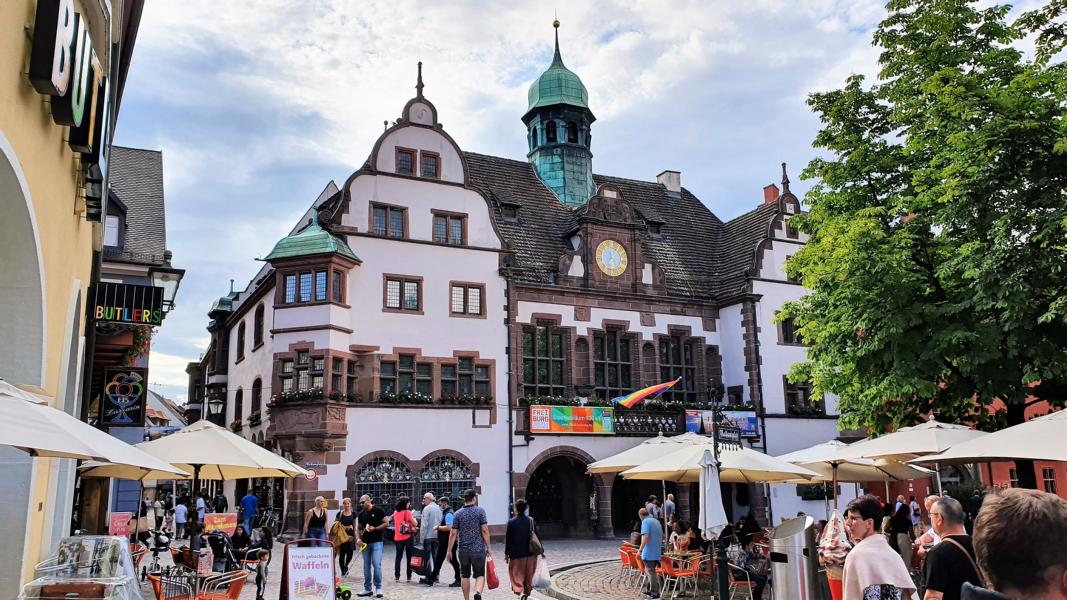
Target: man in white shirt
201, 507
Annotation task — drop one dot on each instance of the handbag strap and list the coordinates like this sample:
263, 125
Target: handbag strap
981, 580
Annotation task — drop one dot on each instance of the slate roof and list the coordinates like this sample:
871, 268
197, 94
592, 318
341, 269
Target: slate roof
136, 177
701, 256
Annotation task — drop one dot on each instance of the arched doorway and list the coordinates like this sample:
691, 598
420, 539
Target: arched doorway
559, 495
22, 304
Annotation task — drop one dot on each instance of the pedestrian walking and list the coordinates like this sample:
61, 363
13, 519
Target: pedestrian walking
1019, 545
249, 509
669, 508
873, 571
444, 532
520, 551
158, 512
650, 549
371, 531
428, 532
181, 514
315, 520
916, 517
470, 540
347, 518
952, 562
404, 526
900, 528
650, 506
220, 504
201, 507
929, 538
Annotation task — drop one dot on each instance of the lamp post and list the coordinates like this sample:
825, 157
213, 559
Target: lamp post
725, 435
215, 406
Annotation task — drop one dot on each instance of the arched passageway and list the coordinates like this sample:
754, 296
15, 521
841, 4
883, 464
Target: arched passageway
560, 497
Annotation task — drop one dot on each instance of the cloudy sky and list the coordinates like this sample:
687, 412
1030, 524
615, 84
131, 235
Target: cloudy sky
258, 105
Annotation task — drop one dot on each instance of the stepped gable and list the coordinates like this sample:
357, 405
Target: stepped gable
685, 251
740, 239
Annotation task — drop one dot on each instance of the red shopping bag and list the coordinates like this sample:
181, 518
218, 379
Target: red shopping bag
490, 574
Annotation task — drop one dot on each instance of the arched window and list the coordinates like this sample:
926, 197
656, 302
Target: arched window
257, 327
385, 480
238, 405
533, 138
257, 395
572, 133
550, 132
446, 476
241, 340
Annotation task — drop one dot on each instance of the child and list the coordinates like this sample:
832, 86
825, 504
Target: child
168, 521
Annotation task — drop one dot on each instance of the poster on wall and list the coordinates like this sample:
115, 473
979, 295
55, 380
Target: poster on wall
224, 522
598, 420
122, 403
703, 421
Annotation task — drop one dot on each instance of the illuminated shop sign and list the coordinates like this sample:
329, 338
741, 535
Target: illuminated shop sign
129, 304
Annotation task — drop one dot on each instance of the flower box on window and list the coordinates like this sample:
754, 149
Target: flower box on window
306, 395
255, 419
236, 425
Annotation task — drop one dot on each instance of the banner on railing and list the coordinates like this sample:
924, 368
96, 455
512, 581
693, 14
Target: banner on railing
703, 421
597, 420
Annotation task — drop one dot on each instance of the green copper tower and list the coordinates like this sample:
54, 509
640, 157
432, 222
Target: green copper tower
558, 124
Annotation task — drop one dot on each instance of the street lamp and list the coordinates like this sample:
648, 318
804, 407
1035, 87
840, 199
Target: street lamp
168, 278
215, 406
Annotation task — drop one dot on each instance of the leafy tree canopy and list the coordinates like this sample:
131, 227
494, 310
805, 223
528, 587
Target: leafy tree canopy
937, 260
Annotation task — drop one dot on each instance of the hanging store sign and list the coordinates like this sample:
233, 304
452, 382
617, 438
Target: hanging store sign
122, 403
64, 66
129, 304
224, 522
572, 419
703, 421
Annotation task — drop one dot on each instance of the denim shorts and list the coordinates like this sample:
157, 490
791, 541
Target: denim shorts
471, 562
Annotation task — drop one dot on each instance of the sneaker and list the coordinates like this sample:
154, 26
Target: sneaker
455, 584
477, 596
378, 593
365, 594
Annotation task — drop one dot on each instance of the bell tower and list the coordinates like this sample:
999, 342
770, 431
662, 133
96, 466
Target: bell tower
558, 124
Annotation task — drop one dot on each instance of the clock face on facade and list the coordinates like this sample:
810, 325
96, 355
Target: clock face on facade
611, 258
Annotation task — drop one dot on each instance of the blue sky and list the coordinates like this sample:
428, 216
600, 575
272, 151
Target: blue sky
258, 105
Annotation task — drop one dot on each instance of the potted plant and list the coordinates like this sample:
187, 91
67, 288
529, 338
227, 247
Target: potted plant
236, 425
255, 418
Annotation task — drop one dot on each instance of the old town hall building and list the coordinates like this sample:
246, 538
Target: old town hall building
394, 340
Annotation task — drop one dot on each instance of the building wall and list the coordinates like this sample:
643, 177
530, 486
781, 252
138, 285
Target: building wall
732, 348
45, 256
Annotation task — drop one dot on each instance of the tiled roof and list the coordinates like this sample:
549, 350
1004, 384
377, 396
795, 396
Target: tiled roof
136, 177
700, 255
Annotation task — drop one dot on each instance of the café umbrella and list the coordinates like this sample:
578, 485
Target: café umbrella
1040, 438
742, 465
644, 452
28, 423
211, 452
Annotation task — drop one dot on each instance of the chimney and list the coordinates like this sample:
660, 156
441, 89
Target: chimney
770, 193
672, 180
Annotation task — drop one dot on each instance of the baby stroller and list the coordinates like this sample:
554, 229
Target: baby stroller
157, 542
222, 548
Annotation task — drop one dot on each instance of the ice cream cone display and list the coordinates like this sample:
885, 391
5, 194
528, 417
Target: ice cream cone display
833, 548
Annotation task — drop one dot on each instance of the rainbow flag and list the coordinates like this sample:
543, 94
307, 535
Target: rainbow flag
643, 394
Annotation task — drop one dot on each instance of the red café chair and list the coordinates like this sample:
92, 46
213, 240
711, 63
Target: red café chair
227, 586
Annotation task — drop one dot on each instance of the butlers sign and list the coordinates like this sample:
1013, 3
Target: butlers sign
128, 304
64, 66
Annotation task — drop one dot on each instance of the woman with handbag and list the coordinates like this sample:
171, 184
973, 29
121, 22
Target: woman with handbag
522, 548
404, 526
346, 523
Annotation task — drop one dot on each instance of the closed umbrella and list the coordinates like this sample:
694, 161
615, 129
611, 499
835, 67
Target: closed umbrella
30, 424
712, 519
1041, 438
735, 466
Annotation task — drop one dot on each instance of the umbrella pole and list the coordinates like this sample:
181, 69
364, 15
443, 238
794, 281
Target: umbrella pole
937, 473
834, 467
887, 491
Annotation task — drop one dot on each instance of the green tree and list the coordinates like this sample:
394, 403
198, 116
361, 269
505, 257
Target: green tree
937, 260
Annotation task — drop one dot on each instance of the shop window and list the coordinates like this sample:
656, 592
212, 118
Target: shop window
612, 364
403, 294
388, 221
466, 299
385, 480
450, 229
543, 361
678, 359
431, 165
405, 161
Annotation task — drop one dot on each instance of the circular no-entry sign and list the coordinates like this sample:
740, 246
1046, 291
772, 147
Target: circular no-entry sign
311, 475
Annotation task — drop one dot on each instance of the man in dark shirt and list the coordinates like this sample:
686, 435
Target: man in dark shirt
950, 563
371, 532
470, 537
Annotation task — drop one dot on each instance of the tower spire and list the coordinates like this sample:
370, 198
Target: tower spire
785, 180
418, 83
557, 59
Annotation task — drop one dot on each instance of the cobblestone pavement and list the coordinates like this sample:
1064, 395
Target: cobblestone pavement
558, 552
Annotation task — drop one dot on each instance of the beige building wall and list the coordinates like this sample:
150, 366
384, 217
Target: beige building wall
45, 263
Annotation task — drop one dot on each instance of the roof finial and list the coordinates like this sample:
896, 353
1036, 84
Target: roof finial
231, 286
557, 58
785, 180
418, 85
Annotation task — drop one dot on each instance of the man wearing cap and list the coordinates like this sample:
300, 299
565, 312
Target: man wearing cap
431, 521
470, 536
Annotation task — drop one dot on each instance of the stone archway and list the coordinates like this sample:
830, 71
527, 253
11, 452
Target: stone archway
22, 297
559, 492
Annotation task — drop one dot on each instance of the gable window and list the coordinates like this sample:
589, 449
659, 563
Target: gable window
431, 165
403, 294
111, 231
612, 366
798, 400
510, 212
466, 299
257, 327
677, 359
572, 132
450, 229
337, 292
655, 230
405, 161
388, 221
789, 332
290, 289
542, 361
550, 132
241, 341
